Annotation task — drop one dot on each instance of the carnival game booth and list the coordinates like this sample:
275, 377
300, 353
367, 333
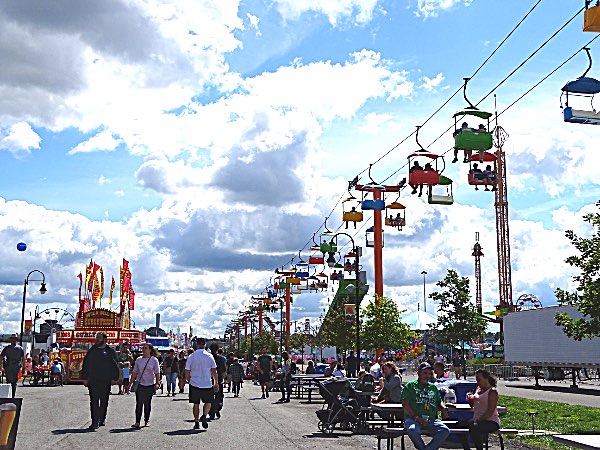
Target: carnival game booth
91, 319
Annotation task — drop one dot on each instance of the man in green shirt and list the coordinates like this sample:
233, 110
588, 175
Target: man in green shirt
264, 372
421, 401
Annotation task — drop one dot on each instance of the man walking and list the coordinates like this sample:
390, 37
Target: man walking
12, 359
421, 401
264, 373
100, 368
351, 365
124, 357
221, 362
200, 367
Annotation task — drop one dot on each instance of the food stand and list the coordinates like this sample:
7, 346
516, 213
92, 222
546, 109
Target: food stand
91, 319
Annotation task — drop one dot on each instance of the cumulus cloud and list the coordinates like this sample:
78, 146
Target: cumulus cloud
359, 11
19, 138
104, 141
431, 8
374, 121
429, 84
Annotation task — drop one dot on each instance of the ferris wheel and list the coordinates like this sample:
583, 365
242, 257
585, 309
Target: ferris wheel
527, 301
53, 319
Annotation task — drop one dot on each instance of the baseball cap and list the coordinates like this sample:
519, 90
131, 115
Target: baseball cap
424, 366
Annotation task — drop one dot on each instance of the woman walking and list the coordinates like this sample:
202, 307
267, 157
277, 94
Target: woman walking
236, 373
171, 370
181, 365
146, 372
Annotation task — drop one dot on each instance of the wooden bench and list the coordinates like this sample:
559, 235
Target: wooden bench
390, 433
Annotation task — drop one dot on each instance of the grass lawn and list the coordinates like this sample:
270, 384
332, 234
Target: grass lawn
558, 418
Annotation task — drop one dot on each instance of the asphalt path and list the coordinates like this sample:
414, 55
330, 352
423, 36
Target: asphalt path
58, 417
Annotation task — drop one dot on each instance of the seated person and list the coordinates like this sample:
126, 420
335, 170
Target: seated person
481, 129
353, 210
56, 372
477, 174
485, 414
334, 276
416, 166
489, 175
399, 220
438, 372
348, 265
391, 385
339, 371
421, 401
463, 127
428, 167
310, 368
329, 370
28, 366
365, 382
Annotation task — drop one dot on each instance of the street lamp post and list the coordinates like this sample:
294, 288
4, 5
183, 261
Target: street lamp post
424, 298
42, 291
331, 262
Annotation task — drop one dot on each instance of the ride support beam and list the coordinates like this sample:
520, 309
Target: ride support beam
288, 323
378, 248
260, 322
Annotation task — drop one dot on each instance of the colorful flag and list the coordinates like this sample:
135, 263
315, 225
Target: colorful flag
88, 277
101, 284
131, 299
112, 288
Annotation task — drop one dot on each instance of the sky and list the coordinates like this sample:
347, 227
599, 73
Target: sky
205, 141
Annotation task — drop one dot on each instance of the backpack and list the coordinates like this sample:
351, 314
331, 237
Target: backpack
293, 368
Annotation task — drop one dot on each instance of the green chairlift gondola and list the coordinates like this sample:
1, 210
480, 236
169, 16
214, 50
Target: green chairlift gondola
445, 198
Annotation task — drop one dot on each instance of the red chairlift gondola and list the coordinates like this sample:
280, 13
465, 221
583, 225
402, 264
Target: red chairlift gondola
487, 177
427, 174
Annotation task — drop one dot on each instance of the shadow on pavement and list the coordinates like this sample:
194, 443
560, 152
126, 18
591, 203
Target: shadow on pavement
560, 389
183, 432
124, 430
72, 431
321, 435
180, 399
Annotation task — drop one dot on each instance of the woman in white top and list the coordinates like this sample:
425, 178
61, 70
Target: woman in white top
485, 409
146, 371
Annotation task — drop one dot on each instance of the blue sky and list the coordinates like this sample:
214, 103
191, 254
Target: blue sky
225, 132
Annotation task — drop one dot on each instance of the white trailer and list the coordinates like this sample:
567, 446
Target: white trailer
532, 338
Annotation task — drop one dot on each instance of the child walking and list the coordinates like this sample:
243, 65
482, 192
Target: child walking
126, 367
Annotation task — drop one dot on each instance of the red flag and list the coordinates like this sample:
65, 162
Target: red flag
131, 299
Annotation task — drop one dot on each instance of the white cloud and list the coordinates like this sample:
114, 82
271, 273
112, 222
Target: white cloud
359, 11
104, 141
120, 193
429, 84
19, 138
102, 180
374, 121
254, 21
431, 8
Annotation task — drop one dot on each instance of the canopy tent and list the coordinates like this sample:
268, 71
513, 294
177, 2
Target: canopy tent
419, 320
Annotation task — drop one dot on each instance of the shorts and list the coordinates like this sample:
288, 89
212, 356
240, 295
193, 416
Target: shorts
126, 380
264, 377
196, 395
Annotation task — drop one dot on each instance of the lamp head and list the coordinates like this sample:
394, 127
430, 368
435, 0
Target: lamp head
43, 289
350, 288
331, 259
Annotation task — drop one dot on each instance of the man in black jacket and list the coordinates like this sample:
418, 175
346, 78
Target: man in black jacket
100, 368
221, 362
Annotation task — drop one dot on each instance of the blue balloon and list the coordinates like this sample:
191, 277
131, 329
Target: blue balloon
21, 246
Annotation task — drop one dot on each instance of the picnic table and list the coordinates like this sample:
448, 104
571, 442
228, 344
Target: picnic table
308, 382
584, 441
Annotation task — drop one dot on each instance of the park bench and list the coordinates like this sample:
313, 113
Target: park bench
390, 433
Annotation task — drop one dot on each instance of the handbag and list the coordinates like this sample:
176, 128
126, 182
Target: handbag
136, 382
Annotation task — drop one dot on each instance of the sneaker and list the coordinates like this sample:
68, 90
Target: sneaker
218, 415
455, 160
267, 394
414, 191
93, 427
196, 425
204, 422
102, 424
287, 400
263, 396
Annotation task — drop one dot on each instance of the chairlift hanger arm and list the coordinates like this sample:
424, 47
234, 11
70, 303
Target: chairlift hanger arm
471, 106
589, 55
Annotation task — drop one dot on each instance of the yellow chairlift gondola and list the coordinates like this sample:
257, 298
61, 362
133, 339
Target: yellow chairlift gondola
350, 213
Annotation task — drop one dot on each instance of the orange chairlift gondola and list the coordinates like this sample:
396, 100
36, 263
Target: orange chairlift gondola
591, 17
395, 214
471, 139
350, 212
488, 177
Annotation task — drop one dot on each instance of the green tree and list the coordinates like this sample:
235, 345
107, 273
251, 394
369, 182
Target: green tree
587, 296
458, 320
382, 326
335, 331
267, 342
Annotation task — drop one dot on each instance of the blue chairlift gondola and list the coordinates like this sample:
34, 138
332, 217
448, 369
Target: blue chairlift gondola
582, 87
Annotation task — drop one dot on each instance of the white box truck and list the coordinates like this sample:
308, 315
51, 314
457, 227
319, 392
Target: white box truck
532, 338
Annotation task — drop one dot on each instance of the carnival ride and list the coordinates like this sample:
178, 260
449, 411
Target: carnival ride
482, 147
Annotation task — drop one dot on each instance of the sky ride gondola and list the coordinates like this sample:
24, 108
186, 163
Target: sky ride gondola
350, 213
467, 138
585, 87
395, 214
591, 17
442, 193
423, 168
480, 177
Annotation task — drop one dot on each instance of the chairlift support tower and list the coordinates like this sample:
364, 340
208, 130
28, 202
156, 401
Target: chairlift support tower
477, 253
